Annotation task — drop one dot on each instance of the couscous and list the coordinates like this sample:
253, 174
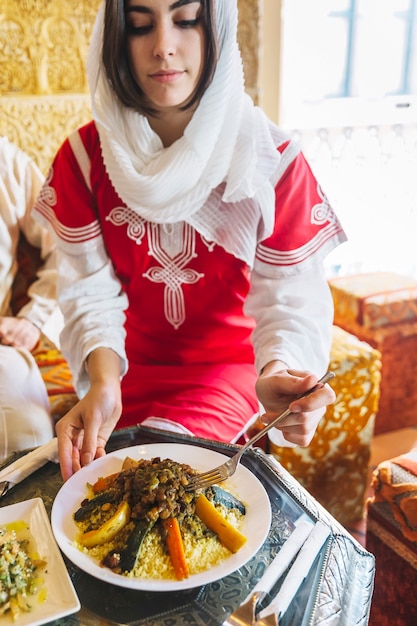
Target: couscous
142, 523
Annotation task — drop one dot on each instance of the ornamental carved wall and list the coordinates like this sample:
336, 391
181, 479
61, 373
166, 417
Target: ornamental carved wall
43, 85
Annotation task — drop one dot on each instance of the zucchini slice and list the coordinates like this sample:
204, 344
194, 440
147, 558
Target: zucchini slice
220, 496
90, 505
130, 555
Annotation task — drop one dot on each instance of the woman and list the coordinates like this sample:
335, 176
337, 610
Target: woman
189, 228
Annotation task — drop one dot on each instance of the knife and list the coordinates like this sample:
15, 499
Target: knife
27, 464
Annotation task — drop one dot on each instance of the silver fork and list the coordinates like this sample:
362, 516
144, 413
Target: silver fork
227, 469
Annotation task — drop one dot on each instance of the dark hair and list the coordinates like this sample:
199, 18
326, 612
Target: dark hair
116, 61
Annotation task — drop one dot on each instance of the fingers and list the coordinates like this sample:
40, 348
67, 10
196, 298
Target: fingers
299, 427
319, 398
90, 446
18, 332
301, 431
6, 338
68, 455
83, 432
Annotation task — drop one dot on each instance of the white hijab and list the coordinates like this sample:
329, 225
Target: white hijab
217, 175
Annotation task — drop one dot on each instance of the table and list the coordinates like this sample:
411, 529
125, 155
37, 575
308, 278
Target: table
337, 591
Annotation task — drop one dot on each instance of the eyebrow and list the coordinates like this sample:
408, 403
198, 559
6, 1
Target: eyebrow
172, 7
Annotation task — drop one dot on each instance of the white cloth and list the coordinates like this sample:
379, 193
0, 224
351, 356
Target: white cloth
25, 465
228, 142
25, 419
20, 183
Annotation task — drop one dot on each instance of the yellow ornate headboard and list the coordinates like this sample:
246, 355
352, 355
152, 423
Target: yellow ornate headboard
43, 87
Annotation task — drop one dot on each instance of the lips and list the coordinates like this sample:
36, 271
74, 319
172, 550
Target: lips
166, 76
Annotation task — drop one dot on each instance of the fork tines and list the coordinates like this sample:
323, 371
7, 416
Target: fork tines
204, 480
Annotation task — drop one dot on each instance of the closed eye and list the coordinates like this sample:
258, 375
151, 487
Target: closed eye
144, 30
188, 23
139, 30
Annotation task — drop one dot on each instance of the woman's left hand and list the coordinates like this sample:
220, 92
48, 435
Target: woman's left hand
277, 387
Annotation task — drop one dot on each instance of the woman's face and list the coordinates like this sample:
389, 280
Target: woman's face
166, 47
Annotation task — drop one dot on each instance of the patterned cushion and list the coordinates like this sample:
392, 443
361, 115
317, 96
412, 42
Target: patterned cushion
56, 376
395, 483
381, 309
391, 535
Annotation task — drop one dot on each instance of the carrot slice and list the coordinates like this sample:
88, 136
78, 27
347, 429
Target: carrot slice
175, 547
105, 482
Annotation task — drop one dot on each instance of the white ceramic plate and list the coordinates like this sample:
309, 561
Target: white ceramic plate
243, 484
61, 599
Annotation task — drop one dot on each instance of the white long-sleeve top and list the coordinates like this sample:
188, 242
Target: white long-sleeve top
293, 319
20, 183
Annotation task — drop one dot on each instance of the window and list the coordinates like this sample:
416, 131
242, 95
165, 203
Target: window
348, 61
347, 85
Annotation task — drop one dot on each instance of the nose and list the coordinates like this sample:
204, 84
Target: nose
164, 42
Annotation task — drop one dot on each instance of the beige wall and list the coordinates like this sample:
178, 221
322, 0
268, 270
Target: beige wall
250, 41
269, 57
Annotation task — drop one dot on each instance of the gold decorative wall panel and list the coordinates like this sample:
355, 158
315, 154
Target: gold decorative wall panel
43, 45
43, 85
39, 124
250, 42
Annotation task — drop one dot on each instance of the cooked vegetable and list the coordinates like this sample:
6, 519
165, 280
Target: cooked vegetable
175, 546
128, 463
229, 536
19, 576
109, 529
89, 506
220, 496
146, 504
104, 483
130, 554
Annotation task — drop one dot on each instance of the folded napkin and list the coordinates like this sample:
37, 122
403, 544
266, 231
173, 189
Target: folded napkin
27, 464
298, 572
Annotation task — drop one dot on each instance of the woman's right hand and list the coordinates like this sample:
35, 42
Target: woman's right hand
84, 431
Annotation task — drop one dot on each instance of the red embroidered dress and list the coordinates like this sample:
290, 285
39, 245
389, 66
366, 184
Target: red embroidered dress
175, 301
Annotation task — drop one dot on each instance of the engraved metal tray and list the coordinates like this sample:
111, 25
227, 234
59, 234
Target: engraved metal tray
336, 591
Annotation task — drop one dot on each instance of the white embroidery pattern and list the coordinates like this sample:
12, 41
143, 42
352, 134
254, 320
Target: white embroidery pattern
173, 272
322, 212
210, 245
44, 206
135, 224
173, 246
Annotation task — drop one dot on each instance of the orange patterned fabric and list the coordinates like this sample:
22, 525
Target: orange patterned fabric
334, 467
374, 300
394, 482
390, 326
56, 376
